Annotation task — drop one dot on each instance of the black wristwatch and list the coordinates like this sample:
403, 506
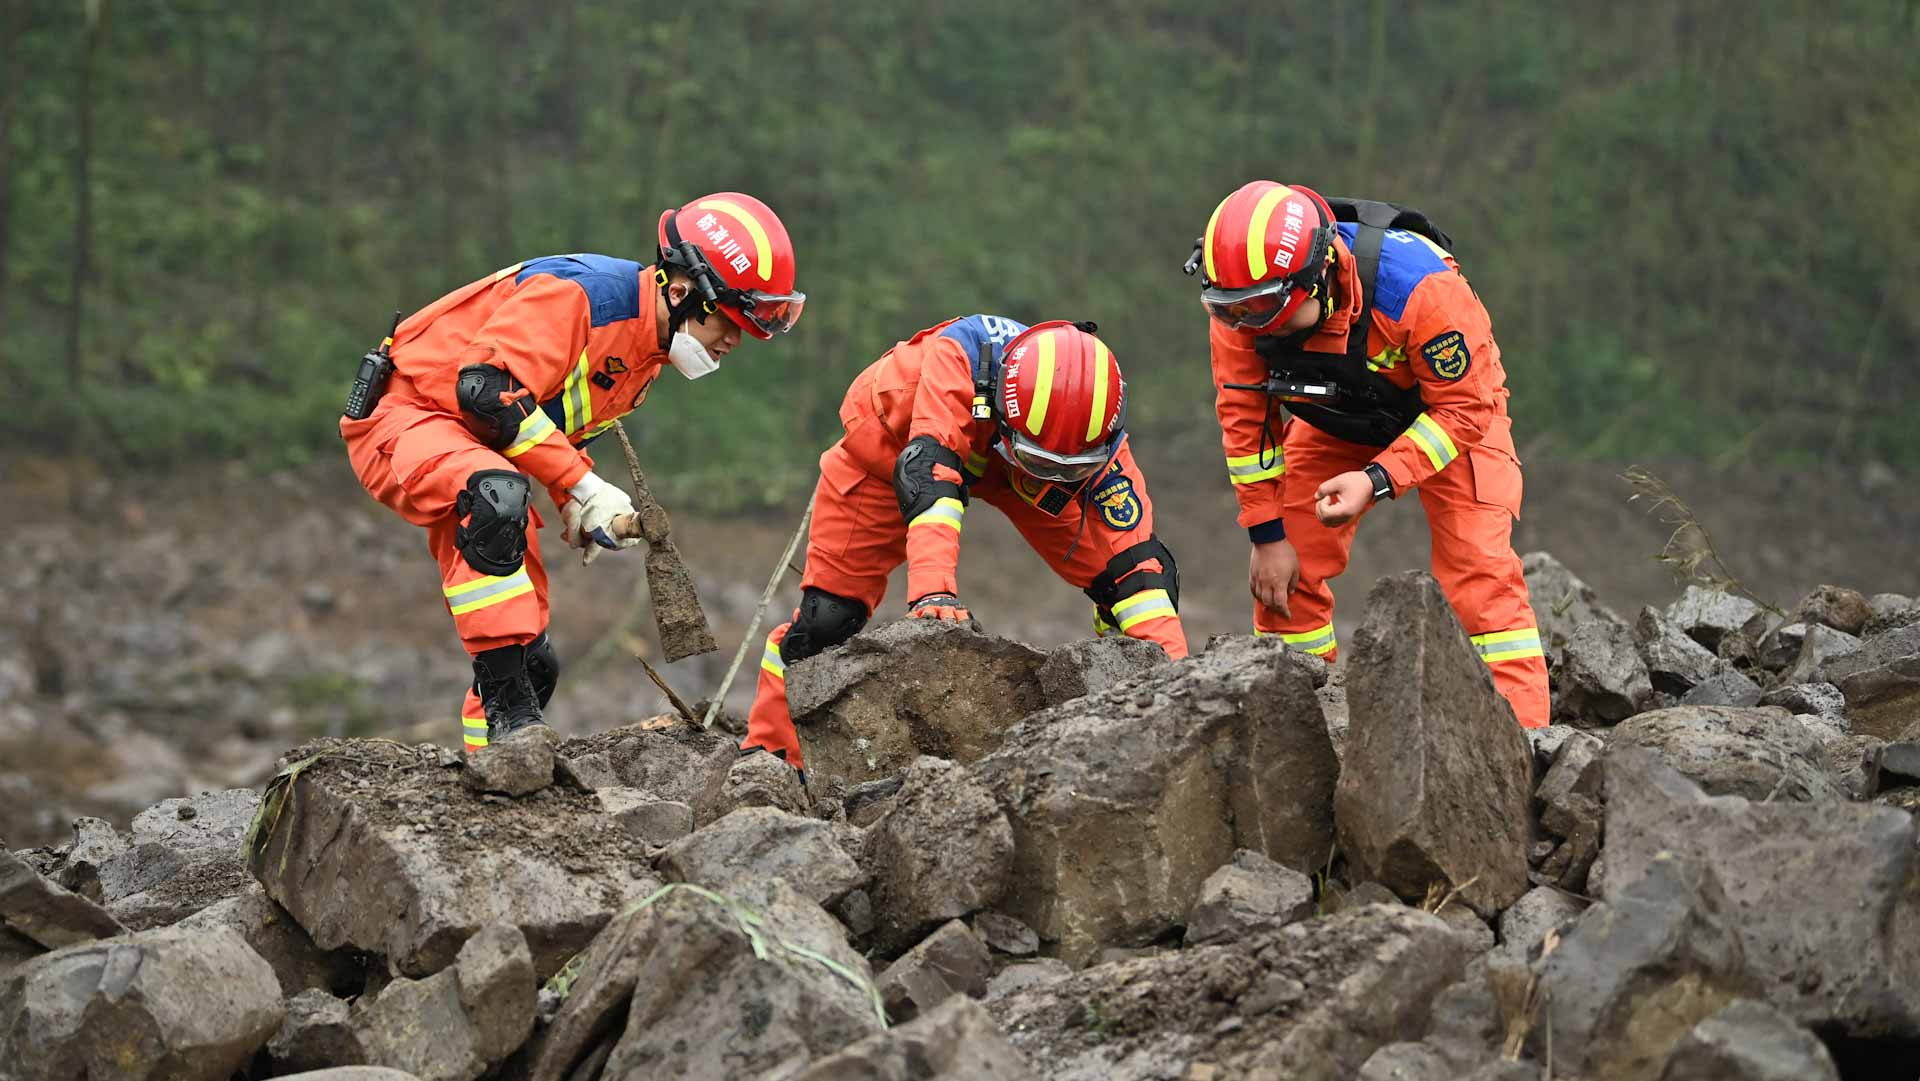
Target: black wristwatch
1382, 484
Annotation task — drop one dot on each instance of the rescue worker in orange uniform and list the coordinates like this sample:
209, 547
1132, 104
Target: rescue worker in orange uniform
498, 387
1031, 420
1359, 322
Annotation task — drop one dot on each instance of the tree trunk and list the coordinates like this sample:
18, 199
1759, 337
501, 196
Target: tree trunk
10, 27
83, 190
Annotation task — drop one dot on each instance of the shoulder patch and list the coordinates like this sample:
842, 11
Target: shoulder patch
1119, 505
1447, 354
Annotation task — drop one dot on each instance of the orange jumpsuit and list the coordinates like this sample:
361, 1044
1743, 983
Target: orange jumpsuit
924, 386
576, 330
1427, 329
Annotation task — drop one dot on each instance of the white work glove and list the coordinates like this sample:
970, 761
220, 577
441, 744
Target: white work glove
588, 517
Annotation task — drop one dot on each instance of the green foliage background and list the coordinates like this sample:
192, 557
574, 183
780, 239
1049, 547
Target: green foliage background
1692, 222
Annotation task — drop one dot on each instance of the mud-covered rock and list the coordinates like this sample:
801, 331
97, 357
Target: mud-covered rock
1247, 896
633, 989
517, 765
957, 1041
1822, 896
1887, 611
1406, 1062
867, 801
1675, 662
1005, 934
1633, 975
1540, 911
943, 850
161, 1004
1749, 1041
1845, 610
318, 1032
1804, 647
378, 848
1760, 753
1309, 1002
1086, 665
1710, 615
41, 910
755, 779
1881, 680
1822, 699
950, 961
762, 842
1601, 677
1437, 778
1727, 687
665, 757
282, 943
1122, 802
587, 771
648, 817
183, 855
898, 690
459, 1022
1561, 601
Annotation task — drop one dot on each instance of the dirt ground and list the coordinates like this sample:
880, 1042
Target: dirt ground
326, 609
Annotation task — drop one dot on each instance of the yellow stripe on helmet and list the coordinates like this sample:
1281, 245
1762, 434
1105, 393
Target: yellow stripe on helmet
752, 225
1257, 228
1099, 391
1042, 385
1206, 247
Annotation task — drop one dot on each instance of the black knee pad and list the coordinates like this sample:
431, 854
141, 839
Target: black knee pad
543, 667
494, 510
825, 621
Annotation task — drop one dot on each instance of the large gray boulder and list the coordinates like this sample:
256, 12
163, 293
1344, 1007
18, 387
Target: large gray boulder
281, 943
950, 961
1542, 911
760, 843
1823, 896
1122, 802
1761, 753
1249, 895
1309, 1002
943, 850
318, 1033
1436, 784
165, 1005
40, 910
956, 1041
1881, 680
668, 760
1086, 665
1749, 1041
376, 847
1601, 677
1675, 662
1561, 600
1633, 976
459, 1022
183, 855
1710, 615
869, 707
700, 985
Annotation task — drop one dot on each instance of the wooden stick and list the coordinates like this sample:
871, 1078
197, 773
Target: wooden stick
679, 704
766, 598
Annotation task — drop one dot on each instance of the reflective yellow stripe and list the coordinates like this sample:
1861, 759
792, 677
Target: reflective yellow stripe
1142, 606
1206, 247
1246, 469
533, 430
576, 397
474, 731
1101, 628
761, 248
770, 660
1099, 391
976, 464
946, 511
1496, 646
1317, 641
1042, 386
487, 592
1432, 439
1257, 229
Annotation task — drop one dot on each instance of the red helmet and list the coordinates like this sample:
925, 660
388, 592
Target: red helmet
738, 255
1264, 253
1061, 403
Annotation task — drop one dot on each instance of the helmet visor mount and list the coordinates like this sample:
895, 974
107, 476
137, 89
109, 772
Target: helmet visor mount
1034, 460
771, 313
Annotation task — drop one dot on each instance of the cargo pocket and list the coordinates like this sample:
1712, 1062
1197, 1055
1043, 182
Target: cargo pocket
1496, 469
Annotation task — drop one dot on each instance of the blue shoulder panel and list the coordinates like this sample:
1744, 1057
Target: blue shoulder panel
1406, 259
971, 330
612, 285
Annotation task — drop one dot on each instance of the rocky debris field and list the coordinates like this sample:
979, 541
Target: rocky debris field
1085, 862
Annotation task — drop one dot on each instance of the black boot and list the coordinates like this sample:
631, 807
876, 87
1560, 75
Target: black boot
506, 691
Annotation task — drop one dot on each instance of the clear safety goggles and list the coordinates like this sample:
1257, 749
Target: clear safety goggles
771, 313
1252, 308
1037, 461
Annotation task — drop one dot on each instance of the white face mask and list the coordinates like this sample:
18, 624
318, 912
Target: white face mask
691, 358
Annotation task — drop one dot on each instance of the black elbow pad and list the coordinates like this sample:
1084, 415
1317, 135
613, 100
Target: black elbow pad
914, 484
493, 403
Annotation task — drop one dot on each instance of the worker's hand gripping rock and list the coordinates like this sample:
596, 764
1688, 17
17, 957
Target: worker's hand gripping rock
944, 607
588, 517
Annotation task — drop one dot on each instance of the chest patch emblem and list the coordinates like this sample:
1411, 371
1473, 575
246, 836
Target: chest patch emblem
1448, 355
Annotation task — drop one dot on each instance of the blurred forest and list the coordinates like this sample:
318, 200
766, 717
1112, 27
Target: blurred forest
1693, 223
